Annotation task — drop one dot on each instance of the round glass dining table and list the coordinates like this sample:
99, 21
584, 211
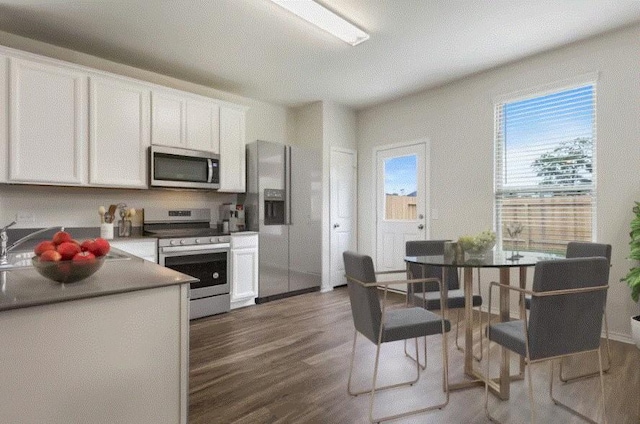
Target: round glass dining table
493, 259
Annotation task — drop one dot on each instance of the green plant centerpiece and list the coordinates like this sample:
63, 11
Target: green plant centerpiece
633, 276
477, 246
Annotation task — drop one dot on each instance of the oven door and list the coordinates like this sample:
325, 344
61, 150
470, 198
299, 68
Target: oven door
209, 265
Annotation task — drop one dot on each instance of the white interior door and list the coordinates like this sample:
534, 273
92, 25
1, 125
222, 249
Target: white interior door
401, 201
343, 203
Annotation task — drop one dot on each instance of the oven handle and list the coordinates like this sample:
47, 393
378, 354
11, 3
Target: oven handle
199, 248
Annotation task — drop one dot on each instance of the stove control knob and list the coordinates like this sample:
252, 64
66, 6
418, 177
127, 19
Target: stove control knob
213, 240
198, 241
173, 242
182, 242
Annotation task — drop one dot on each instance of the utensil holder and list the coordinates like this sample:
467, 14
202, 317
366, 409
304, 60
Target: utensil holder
124, 228
106, 230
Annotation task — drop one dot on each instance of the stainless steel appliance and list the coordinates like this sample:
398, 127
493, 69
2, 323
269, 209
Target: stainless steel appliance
188, 244
284, 205
183, 168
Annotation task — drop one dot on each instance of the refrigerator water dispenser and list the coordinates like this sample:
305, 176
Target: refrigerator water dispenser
274, 207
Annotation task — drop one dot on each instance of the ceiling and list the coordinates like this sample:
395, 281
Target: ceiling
257, 49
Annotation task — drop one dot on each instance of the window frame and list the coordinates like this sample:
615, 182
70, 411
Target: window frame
501, 191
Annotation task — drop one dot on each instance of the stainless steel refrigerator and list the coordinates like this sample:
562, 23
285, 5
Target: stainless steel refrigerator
284, 205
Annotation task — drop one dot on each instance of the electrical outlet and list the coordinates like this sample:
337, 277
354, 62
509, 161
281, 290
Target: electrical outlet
25, 218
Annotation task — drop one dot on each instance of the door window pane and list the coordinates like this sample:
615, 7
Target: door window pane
400, 185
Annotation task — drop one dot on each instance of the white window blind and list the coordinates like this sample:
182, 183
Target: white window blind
545, 168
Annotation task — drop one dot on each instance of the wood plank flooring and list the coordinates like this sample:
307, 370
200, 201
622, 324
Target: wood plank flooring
287, 361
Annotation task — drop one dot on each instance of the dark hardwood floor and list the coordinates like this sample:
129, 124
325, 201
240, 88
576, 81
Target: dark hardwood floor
287, 361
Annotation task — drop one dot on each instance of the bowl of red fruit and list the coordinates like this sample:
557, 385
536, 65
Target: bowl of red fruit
65, 260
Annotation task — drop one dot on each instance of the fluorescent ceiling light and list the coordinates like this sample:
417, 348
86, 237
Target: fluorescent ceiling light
325, 19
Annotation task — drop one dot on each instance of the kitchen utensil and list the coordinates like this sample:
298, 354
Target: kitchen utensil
101, 212
112, 212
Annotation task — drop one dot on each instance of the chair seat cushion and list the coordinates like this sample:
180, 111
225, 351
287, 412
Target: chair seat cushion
408, 323
455, 299
509, 334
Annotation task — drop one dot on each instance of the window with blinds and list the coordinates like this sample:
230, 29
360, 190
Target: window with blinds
545, 169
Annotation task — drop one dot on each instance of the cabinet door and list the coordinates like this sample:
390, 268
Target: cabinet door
119, 133
203, 126
4, 117
167, 119
232, 155
244, 274
48, 125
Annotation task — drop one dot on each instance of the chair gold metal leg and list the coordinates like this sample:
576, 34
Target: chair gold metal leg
391, 386
565, 379
575, 412
417, 358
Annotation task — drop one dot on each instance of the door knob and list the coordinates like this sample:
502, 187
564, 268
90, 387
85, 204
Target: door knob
420, 227
336, 225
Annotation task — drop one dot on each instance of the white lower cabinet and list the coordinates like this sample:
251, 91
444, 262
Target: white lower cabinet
244, 269
121, 358
146, 249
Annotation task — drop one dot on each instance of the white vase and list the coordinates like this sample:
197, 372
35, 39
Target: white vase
635, 330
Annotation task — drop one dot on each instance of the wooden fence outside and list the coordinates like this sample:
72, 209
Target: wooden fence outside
549, 222
400, 207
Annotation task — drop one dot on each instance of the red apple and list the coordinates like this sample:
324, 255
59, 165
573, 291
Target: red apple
85, 245
84, 257
61, 237
100, 247
68, 250
43, 246
50, 256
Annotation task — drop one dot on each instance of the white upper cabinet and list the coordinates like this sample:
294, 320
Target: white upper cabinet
203, 125
182, 120
4, 117
65, 124
232, 150
119, 128
168, 119
47, 123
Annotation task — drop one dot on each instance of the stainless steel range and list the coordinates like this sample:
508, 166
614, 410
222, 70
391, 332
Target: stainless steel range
188, 244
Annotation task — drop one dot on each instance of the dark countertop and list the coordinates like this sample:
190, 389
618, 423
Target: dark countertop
24, 287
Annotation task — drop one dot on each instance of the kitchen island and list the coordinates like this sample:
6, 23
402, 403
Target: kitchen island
113, 348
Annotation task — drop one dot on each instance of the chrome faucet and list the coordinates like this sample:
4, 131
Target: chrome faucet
4, 239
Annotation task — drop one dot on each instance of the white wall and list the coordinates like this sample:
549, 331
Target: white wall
458, 120
78, 206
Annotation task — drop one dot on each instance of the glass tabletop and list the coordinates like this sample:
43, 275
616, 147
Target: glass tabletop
493, 259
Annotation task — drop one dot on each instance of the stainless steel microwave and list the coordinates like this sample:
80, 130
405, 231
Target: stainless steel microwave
183, 168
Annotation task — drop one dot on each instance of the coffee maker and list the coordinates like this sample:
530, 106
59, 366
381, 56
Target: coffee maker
232, 215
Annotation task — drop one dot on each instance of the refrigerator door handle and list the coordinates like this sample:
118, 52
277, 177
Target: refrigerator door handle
287, 185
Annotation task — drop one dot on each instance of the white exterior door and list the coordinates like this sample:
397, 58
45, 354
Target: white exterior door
343, 196
401, 201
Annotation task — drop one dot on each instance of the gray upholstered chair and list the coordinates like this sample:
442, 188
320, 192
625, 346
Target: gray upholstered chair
577, 249
567, 308
428, 295
381, 325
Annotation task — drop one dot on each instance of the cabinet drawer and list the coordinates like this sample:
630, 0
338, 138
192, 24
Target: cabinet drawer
244, 241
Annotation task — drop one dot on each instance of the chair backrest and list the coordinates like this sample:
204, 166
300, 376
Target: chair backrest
430, 248
579, 249
365, 304
569, 323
